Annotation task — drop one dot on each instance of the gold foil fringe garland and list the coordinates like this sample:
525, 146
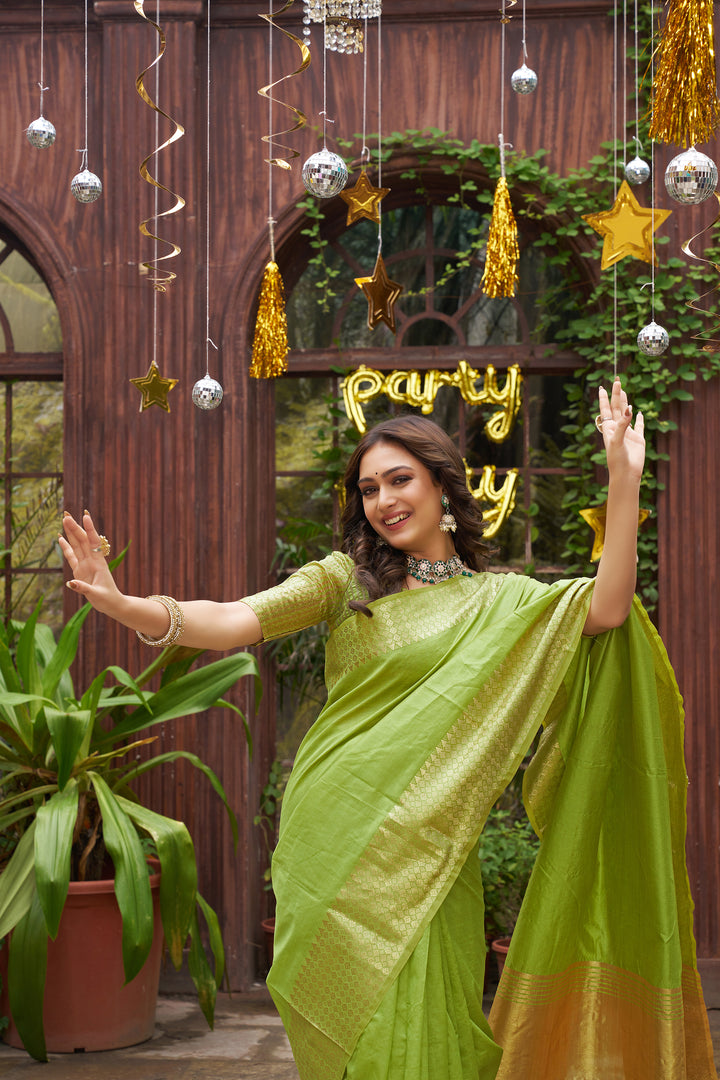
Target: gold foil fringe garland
500, 275
686, 109
270, 343
161, 275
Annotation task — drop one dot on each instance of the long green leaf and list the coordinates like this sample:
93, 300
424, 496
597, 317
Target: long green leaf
8, 674
215, 938
201, 974
53, 845
69, 730
17, 883
132, 884
178, 881
194, 692
57, 670
25, 656
241, 714
173, 755
27, 966
127, 680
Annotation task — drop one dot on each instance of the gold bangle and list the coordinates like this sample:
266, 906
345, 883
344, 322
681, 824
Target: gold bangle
177, 621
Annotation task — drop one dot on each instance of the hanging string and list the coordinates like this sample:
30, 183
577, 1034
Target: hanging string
271, 219
652, 167
365, 152
208, 342
156, 196
325, 52
84, 150
501, 136
41, 84
637, 87
379, 82
525, 48
615, 181
624, 82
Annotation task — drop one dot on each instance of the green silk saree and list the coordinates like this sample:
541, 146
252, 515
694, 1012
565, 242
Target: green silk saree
432, 704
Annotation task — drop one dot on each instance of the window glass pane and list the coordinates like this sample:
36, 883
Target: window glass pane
37, 428
29, 307
27, 590
36, 515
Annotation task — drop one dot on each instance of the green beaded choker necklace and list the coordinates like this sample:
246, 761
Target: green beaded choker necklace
430, 573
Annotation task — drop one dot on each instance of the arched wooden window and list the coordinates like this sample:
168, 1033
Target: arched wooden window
31, 436
442, 317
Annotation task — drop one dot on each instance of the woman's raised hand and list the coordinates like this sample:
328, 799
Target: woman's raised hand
624, 444
83, 547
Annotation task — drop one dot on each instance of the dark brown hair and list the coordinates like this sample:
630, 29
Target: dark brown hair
379, 568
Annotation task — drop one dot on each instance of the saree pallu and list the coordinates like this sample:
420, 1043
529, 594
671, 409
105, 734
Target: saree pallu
379, 943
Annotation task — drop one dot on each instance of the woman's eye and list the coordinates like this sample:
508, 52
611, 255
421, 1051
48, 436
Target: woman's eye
364, 492
401, 479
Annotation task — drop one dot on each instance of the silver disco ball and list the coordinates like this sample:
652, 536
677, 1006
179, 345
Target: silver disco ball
691, 177
86, 186
653, 339
324, 174
524, 80
207, 393
41, 133
637, 171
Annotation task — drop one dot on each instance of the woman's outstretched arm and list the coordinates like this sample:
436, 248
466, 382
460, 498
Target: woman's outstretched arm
206, 625
617, 572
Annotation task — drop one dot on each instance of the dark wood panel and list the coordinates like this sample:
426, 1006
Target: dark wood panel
689, 561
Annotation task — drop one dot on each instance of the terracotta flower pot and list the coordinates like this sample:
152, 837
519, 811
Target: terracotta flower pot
87, 1004
500, 947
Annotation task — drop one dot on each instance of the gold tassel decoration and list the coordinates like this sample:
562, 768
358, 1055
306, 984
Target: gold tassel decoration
686, 109
270, 343
501, 258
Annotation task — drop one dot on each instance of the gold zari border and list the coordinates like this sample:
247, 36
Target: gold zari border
597, 1021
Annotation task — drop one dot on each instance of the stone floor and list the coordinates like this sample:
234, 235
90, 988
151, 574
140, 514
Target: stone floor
248, 1043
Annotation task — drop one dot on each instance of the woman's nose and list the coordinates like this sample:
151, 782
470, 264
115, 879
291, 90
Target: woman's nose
386, 496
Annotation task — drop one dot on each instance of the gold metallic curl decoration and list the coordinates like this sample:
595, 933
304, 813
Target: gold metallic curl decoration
264, 91
712, 344
158, 282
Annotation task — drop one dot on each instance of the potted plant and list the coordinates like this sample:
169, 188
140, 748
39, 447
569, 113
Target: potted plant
68, 810
268, 819
507, 850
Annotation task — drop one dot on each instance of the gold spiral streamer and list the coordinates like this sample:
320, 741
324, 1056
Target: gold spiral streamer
158, 282
712, 344
264, 91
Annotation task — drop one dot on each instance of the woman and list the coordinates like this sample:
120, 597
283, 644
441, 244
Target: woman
439, 674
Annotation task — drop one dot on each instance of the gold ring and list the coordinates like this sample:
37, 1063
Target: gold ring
600, 420
103, 547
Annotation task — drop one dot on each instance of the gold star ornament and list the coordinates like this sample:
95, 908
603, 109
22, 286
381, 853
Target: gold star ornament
627, 228
596, 517
382, 294
363, 200
154, 388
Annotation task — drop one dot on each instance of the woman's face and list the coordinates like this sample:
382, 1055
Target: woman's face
401, 499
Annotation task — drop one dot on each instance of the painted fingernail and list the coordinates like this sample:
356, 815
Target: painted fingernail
86, 513
66, 513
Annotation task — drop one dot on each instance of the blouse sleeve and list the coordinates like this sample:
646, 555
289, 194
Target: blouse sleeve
313, 594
